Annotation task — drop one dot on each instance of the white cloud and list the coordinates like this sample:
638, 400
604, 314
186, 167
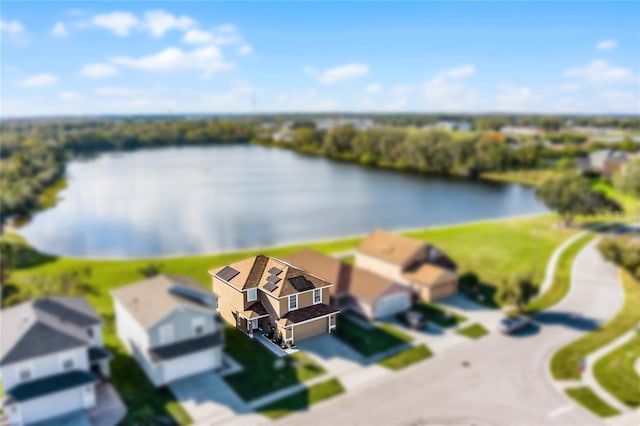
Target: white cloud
222, 35
14, 30
372, 89
196, 36
70, 96
517, 98
59, 30
159, 22
119, 23
98, 70
39, 80
207, 59
338, 74
600, 72
117, 91
245, 49
607, 44
447, 88
570, 87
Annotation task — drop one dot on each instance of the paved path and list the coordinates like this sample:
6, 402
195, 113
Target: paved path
507, 380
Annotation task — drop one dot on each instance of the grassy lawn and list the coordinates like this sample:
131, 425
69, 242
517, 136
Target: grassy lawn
532, 177
617, 374
474, 331
369, 342
261, 374
588, 399
564, 364
438, 315
302, 399
406, 358
562, 279
499, 250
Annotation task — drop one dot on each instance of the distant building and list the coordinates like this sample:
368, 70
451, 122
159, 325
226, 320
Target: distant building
451, 126
605, 162
357, 123
51, 358
170, 325
519, 130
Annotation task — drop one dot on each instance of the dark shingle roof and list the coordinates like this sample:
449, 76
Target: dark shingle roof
43, 326
97, 354
50, 384
175, 350
307, 313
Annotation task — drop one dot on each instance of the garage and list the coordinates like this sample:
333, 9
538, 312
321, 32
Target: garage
392, 304
440, 291
310, 329
191, 364
53, 405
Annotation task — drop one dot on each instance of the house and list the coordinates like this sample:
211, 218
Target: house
170, 325
605, 162
358, 290
265, 293
51, 358
421, 266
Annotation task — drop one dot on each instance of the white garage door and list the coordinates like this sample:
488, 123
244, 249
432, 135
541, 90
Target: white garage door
191, 364
53, 405
392, 304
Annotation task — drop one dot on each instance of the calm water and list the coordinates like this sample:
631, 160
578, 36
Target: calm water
212, 199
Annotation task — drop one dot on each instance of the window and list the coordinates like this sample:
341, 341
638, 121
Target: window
293, 302
166, 333
317, 296
90, 332
67, 363
198, 325
254, 324
25, 373
252, 294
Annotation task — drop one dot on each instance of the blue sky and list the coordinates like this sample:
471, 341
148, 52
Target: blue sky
198, 57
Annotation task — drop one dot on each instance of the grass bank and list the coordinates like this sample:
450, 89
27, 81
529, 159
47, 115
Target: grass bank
588, 398
474, 331
407, 357
617, 374
369, 341
303, 399
564, 364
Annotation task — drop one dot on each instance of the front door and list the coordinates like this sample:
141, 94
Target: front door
89, 396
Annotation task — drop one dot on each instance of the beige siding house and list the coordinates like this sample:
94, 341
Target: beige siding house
414, 263
265, 293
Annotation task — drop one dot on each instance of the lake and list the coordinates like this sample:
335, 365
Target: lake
220, 198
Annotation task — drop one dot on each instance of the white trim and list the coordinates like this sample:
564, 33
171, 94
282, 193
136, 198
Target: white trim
314, 296
255, 289
310, 320
289, 308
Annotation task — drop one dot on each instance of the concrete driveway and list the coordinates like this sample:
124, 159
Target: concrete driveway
77, 418
208, 399
109, 409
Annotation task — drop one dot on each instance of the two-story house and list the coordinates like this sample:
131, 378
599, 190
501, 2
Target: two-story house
51, 358
170, 325
428, 270
262, 292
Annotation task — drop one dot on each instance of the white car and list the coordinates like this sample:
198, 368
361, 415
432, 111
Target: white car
509, 325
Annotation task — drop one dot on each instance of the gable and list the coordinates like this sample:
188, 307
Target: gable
39, 340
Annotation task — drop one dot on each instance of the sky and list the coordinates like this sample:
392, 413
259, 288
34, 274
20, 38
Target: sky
88, 58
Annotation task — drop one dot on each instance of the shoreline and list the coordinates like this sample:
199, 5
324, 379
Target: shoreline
287, 244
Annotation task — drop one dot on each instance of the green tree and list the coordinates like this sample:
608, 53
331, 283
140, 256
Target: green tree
623, 251
517, 292
570, 194
628, 179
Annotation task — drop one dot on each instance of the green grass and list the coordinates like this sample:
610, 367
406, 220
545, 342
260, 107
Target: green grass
406, 358
562, 278
369, 342
533, 177
564, 364
49, 196
438, 315
588, 399
261, 374
617, 374
474, 331
302, 399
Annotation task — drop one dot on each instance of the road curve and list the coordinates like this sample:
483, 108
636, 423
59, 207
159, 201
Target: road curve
507, 381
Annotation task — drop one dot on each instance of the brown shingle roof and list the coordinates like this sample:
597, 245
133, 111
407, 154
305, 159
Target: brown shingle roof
254, 271
389, 247
150, 300
306, 313
351, 280
427, 274
256, 310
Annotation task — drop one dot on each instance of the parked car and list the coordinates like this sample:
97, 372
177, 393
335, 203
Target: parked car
509, 325
413, 319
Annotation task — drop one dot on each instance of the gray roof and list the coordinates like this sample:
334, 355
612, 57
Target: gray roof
175, 350
50, 384
44, 326
150, 300
598, 159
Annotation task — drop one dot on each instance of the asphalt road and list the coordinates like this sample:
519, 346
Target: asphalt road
506, 381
